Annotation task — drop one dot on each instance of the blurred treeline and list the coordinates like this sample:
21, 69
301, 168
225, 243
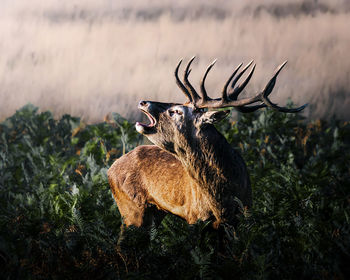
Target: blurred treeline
86, 58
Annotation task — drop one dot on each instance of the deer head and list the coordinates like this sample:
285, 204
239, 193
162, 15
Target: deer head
173, 123
169, 122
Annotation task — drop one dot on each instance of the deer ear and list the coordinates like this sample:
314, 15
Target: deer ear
213, 116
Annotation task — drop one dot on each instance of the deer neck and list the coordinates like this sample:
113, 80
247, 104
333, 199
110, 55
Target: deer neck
208, 158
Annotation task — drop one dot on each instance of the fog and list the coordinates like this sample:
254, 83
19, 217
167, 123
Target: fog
90, 58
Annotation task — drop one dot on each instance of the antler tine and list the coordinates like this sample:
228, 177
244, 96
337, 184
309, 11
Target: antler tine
189, 65
190, 88
268, 89
260, 97
203, 91
233, 94
224, 90
240, 74
271, 84
179, 83
283, 109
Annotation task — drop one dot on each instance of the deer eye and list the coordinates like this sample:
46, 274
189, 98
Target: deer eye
175, 111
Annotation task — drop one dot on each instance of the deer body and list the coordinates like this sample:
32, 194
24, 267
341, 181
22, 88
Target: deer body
174, 191
192, 171
198, 183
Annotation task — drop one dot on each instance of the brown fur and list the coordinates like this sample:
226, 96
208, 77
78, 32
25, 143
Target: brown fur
149, 175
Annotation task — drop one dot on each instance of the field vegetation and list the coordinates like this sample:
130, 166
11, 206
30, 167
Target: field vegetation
58, 219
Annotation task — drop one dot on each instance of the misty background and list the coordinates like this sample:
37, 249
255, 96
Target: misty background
90, 58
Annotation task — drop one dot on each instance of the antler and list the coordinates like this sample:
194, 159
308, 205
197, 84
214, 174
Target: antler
229, 97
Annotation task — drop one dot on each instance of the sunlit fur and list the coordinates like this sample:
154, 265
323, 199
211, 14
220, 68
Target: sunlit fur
193, 172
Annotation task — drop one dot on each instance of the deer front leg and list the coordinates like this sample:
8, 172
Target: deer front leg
121, 238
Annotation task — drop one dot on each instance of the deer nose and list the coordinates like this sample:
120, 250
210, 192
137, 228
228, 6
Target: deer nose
143, 103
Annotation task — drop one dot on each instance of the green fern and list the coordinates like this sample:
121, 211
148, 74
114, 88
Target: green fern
58, 218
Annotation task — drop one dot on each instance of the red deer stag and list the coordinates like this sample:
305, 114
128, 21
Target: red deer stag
191, 171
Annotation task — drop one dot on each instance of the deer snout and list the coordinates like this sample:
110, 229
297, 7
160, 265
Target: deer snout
143, 104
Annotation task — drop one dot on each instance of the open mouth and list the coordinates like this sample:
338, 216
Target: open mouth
142, 127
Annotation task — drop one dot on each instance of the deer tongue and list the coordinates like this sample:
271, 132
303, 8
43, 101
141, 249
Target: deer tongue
150, 117
144, 128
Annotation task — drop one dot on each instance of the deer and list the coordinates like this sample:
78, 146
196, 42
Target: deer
191, 170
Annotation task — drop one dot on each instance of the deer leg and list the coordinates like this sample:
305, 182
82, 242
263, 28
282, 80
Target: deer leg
221, 240
133, 216
121, 237
153, 216
131, 213
148, 217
